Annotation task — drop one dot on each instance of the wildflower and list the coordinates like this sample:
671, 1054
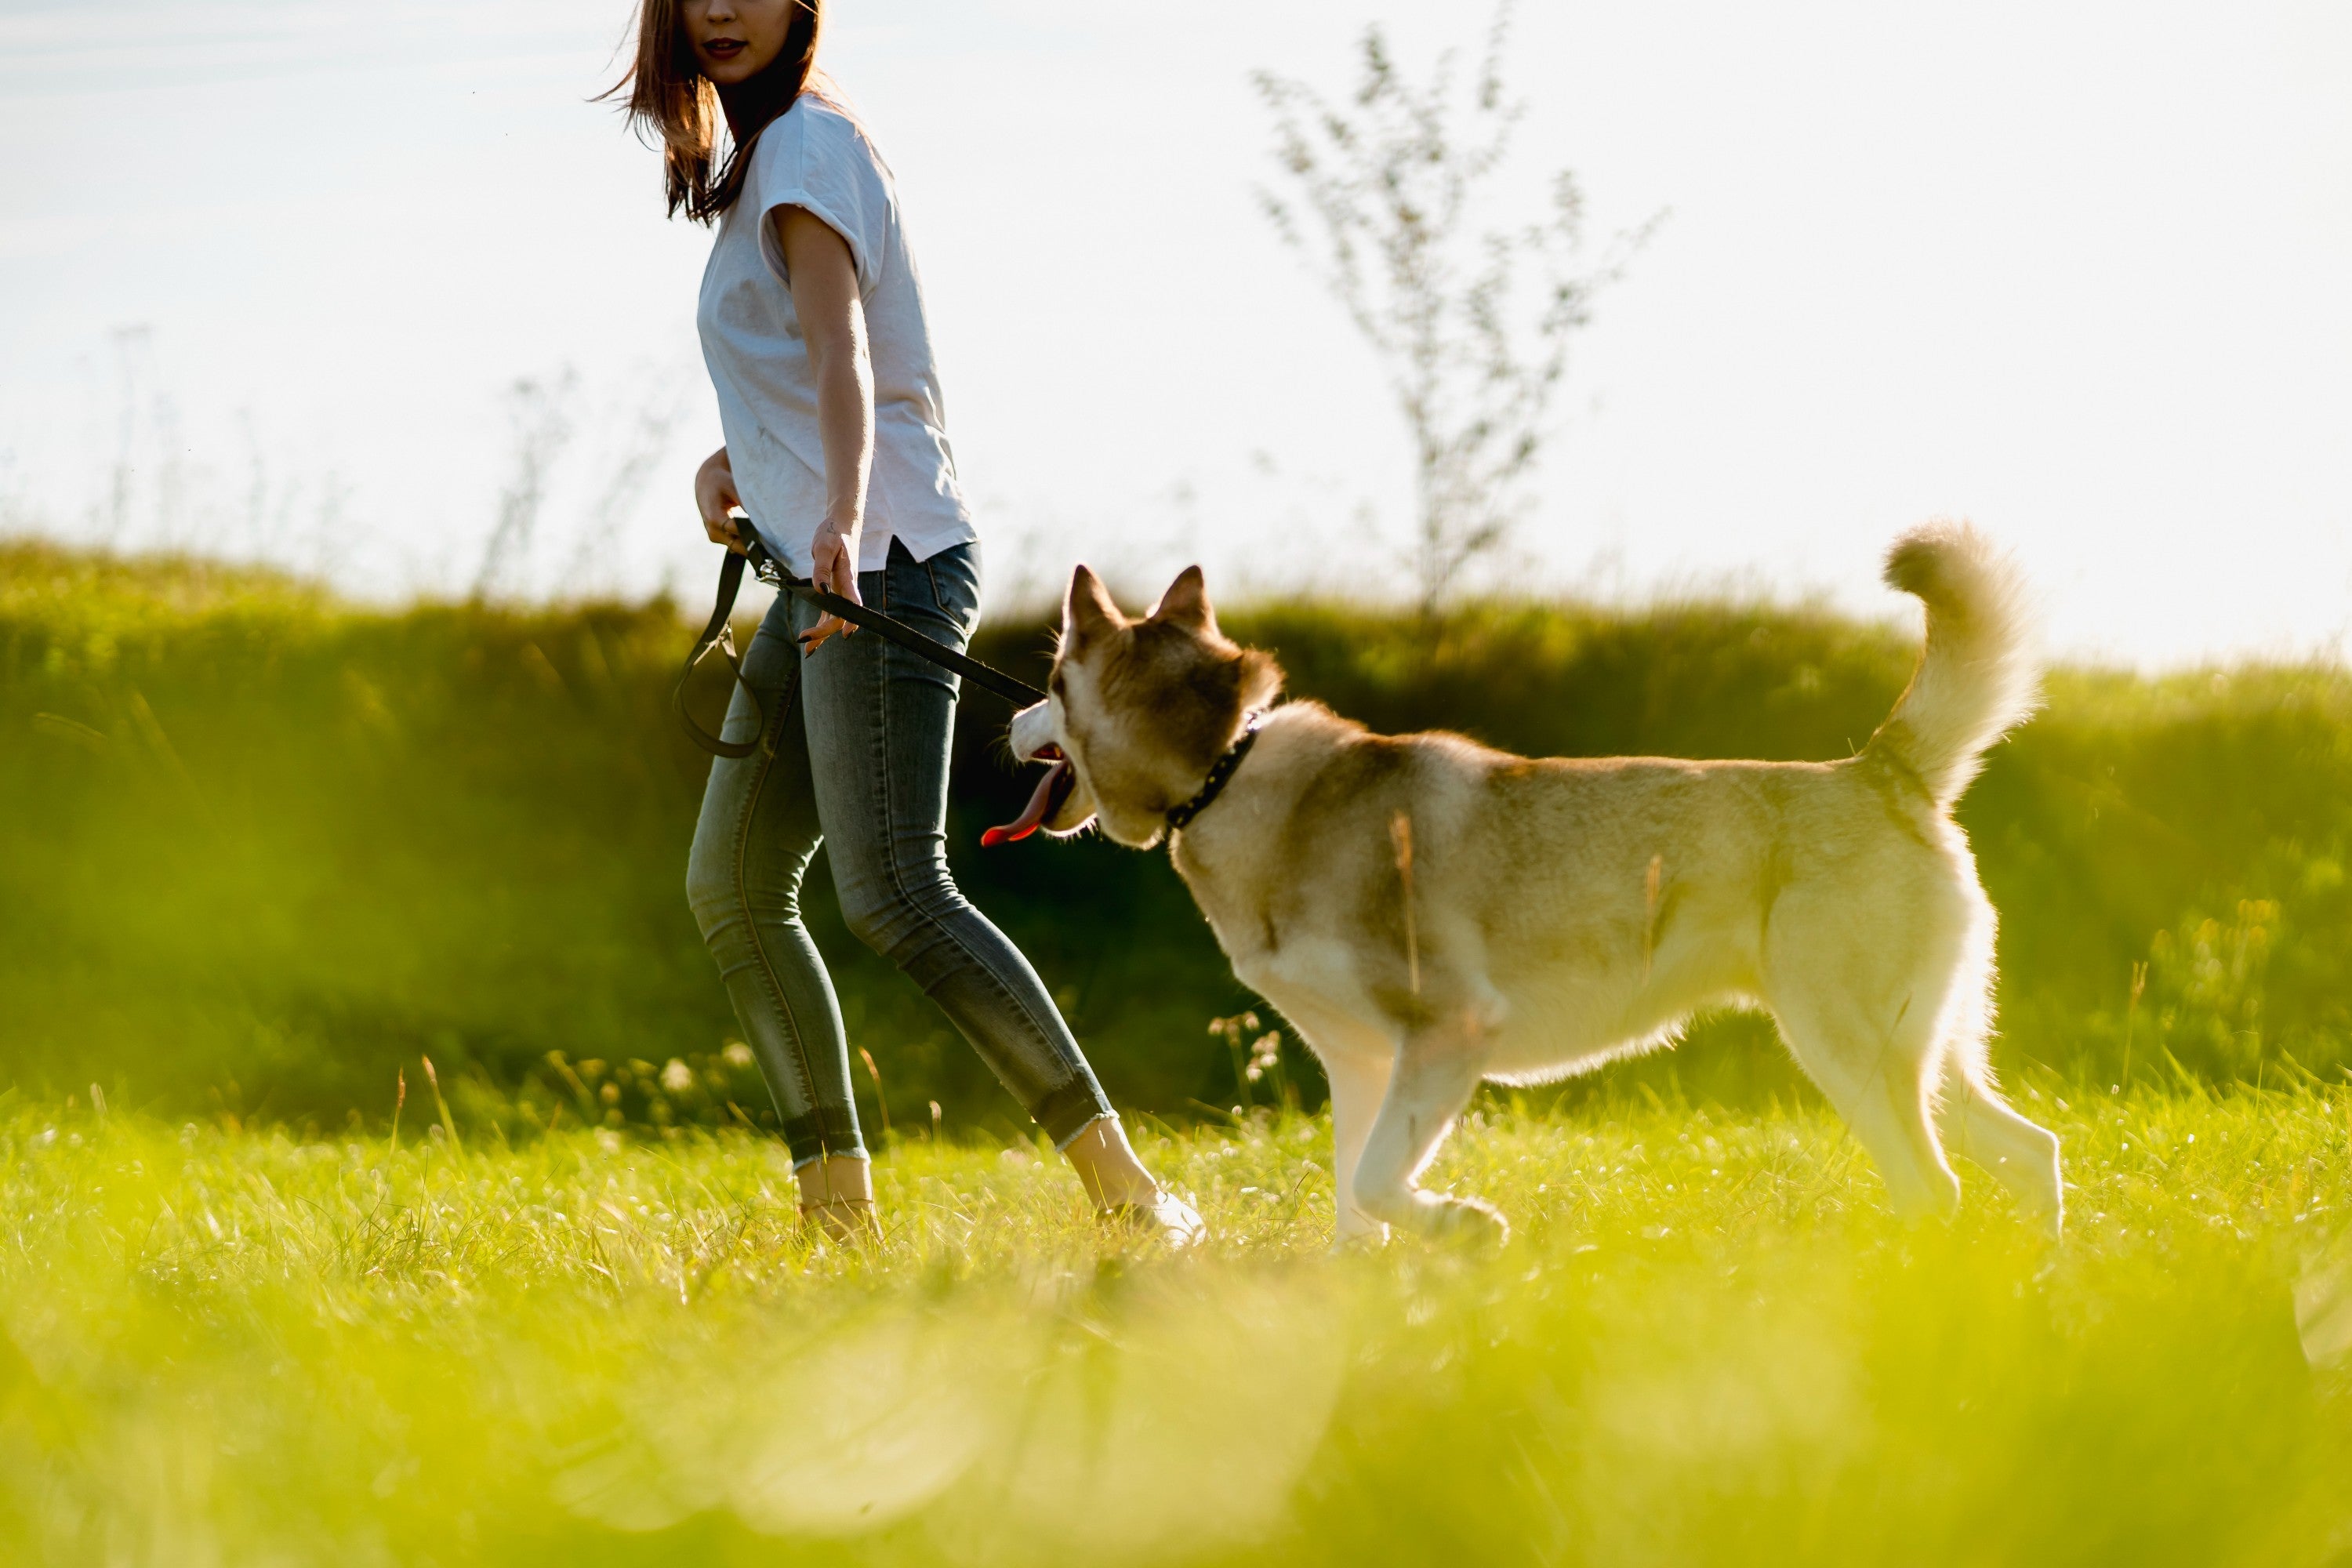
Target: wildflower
1264, 1053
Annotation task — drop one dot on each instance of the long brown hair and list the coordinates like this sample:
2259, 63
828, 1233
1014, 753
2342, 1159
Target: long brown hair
672, 102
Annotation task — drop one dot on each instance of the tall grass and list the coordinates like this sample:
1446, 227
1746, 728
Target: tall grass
258, 849
1707, 1344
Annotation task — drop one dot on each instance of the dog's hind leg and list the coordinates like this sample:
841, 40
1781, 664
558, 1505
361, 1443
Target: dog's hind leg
1878, 1073
1974, 1119
2022, 1155
1435, 1073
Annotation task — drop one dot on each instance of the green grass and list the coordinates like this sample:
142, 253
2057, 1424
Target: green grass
1707, 1343
260, 848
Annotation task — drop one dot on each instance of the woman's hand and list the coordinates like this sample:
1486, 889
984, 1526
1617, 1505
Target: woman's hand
834, 564
715, 499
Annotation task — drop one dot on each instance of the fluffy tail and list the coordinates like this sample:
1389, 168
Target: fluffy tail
1976, 678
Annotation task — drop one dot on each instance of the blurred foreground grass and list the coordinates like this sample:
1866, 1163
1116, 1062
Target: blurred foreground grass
1707, 1343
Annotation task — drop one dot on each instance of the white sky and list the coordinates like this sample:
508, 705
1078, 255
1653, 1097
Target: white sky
2077, 271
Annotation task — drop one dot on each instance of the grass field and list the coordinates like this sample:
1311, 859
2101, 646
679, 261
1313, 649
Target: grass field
258, 847
1706, 1343
261, 851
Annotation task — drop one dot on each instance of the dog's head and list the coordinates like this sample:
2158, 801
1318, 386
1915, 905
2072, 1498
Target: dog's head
1138, 710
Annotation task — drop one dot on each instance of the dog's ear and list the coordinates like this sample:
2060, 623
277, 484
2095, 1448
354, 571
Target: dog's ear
1088, 612
1186, 603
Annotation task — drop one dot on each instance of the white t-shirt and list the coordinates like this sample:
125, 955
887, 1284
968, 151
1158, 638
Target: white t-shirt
814, 156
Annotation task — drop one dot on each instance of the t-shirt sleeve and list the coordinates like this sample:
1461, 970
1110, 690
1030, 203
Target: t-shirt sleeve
814, 158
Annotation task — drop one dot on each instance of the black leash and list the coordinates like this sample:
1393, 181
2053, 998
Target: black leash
721, 634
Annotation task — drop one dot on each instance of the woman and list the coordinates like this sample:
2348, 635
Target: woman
813, 328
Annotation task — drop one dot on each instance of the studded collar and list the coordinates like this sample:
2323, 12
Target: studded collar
1220, 775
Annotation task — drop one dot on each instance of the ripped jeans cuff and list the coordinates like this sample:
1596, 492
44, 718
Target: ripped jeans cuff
828, 1130
1072, 1108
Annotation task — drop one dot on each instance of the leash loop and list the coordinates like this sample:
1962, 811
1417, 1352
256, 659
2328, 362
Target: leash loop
719, 634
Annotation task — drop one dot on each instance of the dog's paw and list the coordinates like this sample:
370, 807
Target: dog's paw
1468, 1222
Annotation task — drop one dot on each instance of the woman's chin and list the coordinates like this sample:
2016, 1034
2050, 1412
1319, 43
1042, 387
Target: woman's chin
733, 71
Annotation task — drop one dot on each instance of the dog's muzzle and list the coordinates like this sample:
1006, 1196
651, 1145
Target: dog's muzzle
1031, 742
1051, 792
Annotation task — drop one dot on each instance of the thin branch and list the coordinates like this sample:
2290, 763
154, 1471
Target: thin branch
1472, 323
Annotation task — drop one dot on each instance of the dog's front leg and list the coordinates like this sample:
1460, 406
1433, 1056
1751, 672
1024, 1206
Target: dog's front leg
1359, 1081
1356, 1053
1435, 1073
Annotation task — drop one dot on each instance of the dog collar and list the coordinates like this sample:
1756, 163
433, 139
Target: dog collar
1220, 775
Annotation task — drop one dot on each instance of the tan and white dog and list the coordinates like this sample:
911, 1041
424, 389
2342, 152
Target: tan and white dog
1430, 913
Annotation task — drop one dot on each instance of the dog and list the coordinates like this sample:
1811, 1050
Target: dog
1431, 914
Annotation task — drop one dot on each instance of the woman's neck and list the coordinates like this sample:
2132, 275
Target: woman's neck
750, 105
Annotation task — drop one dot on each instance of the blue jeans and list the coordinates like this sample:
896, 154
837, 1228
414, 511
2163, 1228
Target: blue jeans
854, 754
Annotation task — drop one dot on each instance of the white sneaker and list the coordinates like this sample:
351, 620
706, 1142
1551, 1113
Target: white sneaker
1166, 1216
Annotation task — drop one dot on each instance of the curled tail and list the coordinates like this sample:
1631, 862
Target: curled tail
1977, 676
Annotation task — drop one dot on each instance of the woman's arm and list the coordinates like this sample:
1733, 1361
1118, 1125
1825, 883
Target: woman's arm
833, 324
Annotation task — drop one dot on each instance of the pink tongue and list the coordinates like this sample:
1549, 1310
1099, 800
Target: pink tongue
1034, 814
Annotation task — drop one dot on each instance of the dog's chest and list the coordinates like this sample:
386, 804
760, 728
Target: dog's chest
1275, 944
1235, 896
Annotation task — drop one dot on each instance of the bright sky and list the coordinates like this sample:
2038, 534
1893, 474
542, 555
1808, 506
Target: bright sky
269, 270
